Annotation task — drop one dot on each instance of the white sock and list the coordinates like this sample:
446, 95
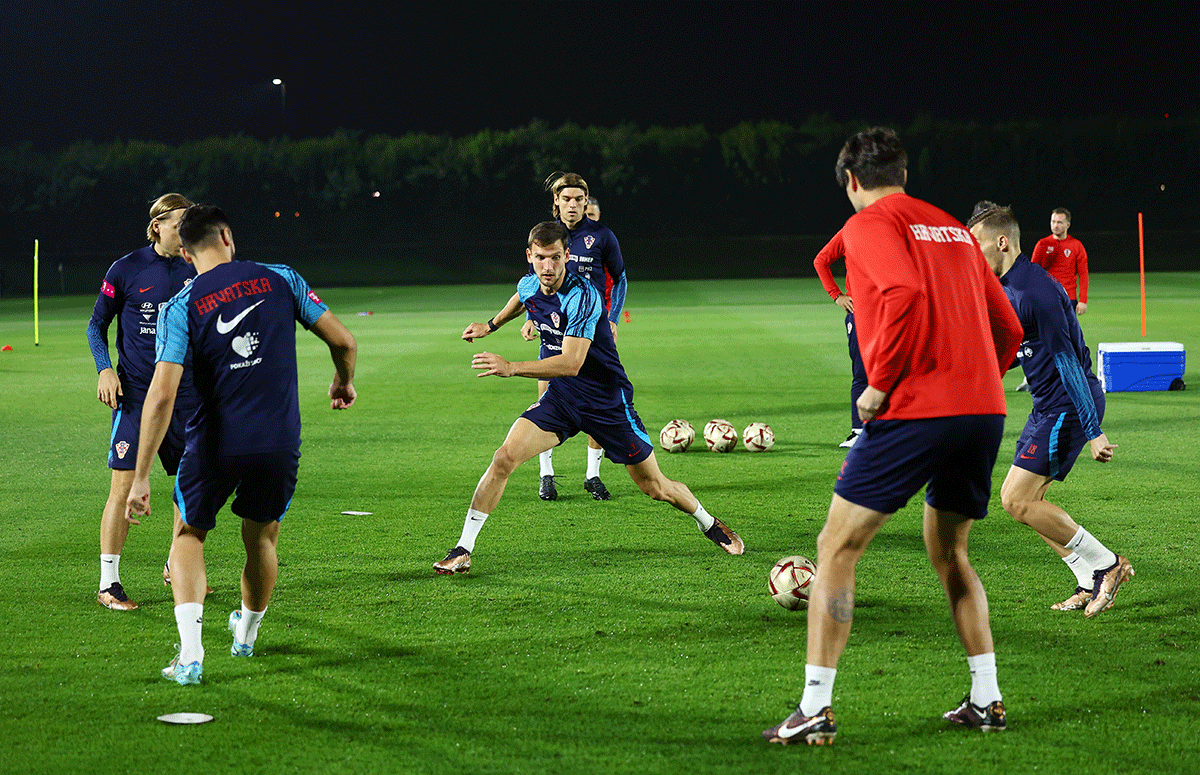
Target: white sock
246, 630
189, 618
984, 689
593, 464
818, 689
546, 461
702, 517
471, 527
1092, 551
110, 570
1082, 571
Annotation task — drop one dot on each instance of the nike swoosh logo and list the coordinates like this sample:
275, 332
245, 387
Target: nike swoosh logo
225, 328
143, 290
1028, 457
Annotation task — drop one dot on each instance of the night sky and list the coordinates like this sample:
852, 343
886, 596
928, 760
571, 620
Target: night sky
174, 71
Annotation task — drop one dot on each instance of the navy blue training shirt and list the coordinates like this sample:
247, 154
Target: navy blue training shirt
1053, 354
135, 289
238, 322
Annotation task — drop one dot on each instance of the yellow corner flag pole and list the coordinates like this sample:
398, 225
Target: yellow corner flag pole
35, 293
1142, 268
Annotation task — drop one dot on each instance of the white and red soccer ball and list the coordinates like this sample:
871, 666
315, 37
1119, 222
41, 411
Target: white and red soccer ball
677, 436
758, 437
720, 435
790, 581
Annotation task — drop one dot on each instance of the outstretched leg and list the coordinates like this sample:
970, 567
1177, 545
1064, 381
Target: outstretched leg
650, 479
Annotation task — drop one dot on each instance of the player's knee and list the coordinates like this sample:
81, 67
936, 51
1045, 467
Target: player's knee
504, 462
1017, 505
658, 488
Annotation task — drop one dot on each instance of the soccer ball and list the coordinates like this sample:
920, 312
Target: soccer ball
758, 437
790, 581
720, 436
677, 436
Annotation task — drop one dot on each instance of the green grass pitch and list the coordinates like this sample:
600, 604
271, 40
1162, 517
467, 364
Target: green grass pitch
590, 637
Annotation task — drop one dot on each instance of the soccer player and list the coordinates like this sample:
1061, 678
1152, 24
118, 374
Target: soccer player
834, 251
134, 289
933, 413
588, 392
237, 319
1064, 258
595, 255
1068, 406
593, 209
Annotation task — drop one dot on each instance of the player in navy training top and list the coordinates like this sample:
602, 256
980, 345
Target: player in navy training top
1068, 406
134, 290
595, 255
237, 323
588, 392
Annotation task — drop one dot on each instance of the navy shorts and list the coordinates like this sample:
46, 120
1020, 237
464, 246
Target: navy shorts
1051, 442
893, 459
127, 424
264, 482
619, 432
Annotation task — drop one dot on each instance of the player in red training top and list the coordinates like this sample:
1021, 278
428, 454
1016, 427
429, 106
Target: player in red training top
834, 251
1063, 258
934, 413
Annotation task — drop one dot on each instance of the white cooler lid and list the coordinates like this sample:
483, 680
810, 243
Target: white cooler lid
1139, 347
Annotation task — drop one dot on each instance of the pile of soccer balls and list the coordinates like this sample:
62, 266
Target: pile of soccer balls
719, 435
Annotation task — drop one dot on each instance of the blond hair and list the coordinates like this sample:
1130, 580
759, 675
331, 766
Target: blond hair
160, 207
560, 180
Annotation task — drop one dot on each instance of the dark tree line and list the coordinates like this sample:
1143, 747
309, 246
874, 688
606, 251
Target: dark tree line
754, 179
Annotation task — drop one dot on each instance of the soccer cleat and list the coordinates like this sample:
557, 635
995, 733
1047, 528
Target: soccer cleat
167, 578
814, 730
1108, 581
853, 437
115, 598
724, 537
597, 489
183, 674
1023, 387
989, 719
1076, 601
458, 561
238, 649
546, 490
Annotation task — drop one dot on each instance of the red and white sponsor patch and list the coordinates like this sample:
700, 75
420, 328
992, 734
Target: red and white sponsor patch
122, 448
313, 296
588, 241
107, 289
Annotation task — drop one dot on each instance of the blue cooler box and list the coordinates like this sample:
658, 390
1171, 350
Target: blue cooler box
1133, 366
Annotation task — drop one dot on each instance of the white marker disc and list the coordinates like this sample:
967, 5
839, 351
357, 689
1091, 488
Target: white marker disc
185, 718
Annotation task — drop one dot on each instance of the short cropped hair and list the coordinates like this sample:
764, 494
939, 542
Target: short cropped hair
1062, 211
996, 219
201, 223
875, 156
547, 233
160, 207
560, 180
